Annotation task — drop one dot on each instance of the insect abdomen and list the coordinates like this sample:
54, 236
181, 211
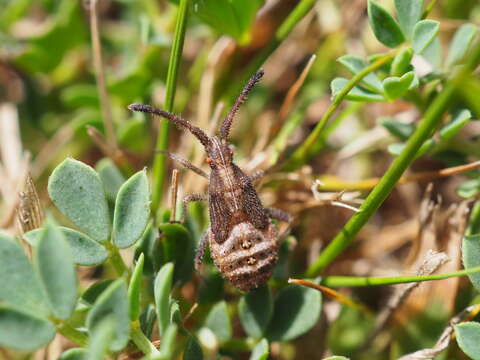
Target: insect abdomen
248, 256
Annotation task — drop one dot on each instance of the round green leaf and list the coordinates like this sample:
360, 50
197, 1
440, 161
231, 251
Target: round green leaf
471, 257
469, 188
255, 310
468, 338
409, 13
296, 311
101, 339
112, 178
397, 128
112, 304
132, 210
461, 41
260, 351
384, 26
356, 64
54, 264
401, 62
74, 354
19, 285
219, 322
396, 87
134, 289
356, 94
23, 331
76, 189
162, 288
178, 247
423, 34
85, 250
193, 351
433, 54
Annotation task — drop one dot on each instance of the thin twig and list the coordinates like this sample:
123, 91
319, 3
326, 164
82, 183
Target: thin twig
173, 195
100, 77
334, 184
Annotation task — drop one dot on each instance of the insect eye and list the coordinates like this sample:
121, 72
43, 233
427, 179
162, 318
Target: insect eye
208, 160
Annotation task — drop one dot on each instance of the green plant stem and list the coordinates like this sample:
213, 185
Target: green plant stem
159, 163
141, 341
72, 334
380, 192
297, 14
116, 259
305, 150
353, 281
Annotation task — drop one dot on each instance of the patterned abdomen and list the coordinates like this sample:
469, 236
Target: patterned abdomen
248, 256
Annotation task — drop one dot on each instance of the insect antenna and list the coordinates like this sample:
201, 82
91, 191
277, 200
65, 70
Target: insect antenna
177, 120
227, 123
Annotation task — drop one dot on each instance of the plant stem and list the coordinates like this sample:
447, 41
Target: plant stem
353, 281
100, 77
116, 259
159, 163
141, 341
305, 150
380, 192
72, 334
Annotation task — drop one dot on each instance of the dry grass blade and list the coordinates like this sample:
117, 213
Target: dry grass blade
100, 75
431, 263
29, 211
173, 195
444, 339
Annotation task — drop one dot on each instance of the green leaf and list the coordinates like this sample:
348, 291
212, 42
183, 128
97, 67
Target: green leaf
433, 54
409, 13
336, 358
147, 320
255, 311
85, 251
468, 338
150, 245
112, 178
112, 304
80, 96
219, 322
177, 246
356, 94
469, 188
19, 285
459, 120
74, 354
132, 210
23, 331
356, 64
423, 34
260, 351
193, 351
134, 289
93, 292
77, 191
401, 62
397, 148
54, 264
231, 17
397, 128
384, 26
296, 311
167, 346
162, 288
101, 339
460, 43
471, 256
395, 87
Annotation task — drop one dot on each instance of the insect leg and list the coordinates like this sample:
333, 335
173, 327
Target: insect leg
189, 198
282, 216
184, 162
257, 175
202, 246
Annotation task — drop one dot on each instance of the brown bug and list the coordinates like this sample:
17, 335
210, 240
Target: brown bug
243, 241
